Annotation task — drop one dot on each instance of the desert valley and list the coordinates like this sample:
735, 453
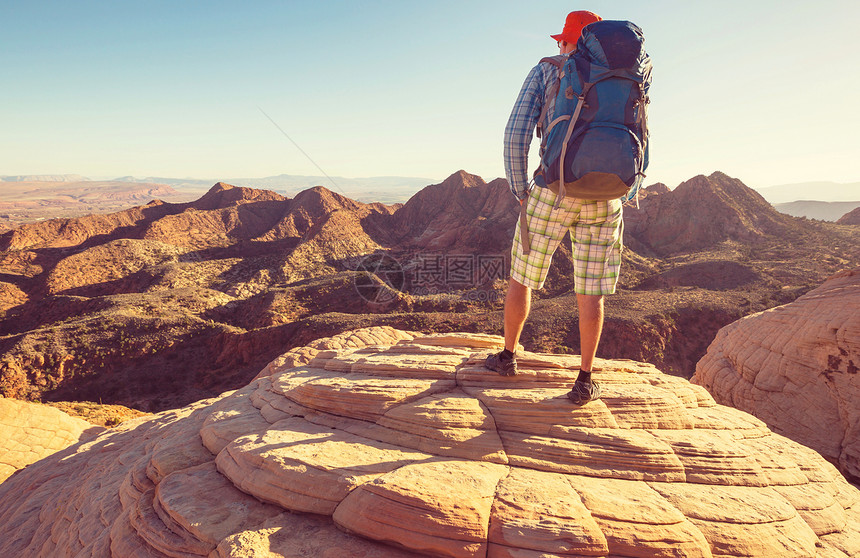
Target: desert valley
352, 333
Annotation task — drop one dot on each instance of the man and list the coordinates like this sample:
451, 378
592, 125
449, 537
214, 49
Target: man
595, 228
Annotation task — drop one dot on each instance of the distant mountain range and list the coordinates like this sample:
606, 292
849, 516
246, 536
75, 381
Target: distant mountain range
817, 191
823, 211
44, 178
825, 201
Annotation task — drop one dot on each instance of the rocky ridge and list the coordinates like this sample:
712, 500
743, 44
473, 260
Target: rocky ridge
385, 443
796, 368
142, 222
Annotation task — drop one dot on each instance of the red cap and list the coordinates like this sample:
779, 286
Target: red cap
573, 25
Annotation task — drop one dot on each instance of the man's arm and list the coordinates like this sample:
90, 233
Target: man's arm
520, 129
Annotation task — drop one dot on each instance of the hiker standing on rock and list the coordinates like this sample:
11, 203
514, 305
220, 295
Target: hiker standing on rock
589, 106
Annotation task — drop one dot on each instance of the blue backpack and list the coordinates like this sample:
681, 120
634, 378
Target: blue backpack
595, 146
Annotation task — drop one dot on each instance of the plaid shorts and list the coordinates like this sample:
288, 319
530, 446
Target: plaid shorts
595, 231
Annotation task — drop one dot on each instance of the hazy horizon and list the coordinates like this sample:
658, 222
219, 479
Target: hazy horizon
394, 189
322, 178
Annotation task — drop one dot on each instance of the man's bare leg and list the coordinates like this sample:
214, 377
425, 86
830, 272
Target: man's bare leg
517, 306
590, 327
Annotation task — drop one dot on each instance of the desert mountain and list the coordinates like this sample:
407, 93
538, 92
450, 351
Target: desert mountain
222, 196
702, 212
850, 218
167, 303
385, 443
796, 368
461, 213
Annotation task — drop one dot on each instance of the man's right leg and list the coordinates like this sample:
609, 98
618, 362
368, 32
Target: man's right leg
517, 305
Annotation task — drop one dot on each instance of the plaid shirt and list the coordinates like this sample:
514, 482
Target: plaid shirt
522, 122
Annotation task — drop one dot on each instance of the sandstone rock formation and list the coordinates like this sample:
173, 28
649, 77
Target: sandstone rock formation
30, 431
796, 368
383, 443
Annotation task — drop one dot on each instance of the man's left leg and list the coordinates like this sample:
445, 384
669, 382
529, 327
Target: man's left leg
590, 327
528, 271
517, 305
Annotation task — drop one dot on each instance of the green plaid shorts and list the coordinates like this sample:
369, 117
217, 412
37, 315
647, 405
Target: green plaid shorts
595, 230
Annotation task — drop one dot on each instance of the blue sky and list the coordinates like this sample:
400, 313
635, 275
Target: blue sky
763, 90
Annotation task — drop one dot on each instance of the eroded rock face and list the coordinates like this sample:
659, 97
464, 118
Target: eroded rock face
463, 213
796, 368
850, 218
382, 443
31, 431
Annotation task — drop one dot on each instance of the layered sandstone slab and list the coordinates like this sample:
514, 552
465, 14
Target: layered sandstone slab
31, 431
386, 444
796, 368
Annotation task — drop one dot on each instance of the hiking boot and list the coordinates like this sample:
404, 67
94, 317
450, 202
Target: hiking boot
583, 392
504, 367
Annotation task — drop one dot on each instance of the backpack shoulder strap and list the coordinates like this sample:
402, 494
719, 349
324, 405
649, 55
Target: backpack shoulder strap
570, 126
558, 62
